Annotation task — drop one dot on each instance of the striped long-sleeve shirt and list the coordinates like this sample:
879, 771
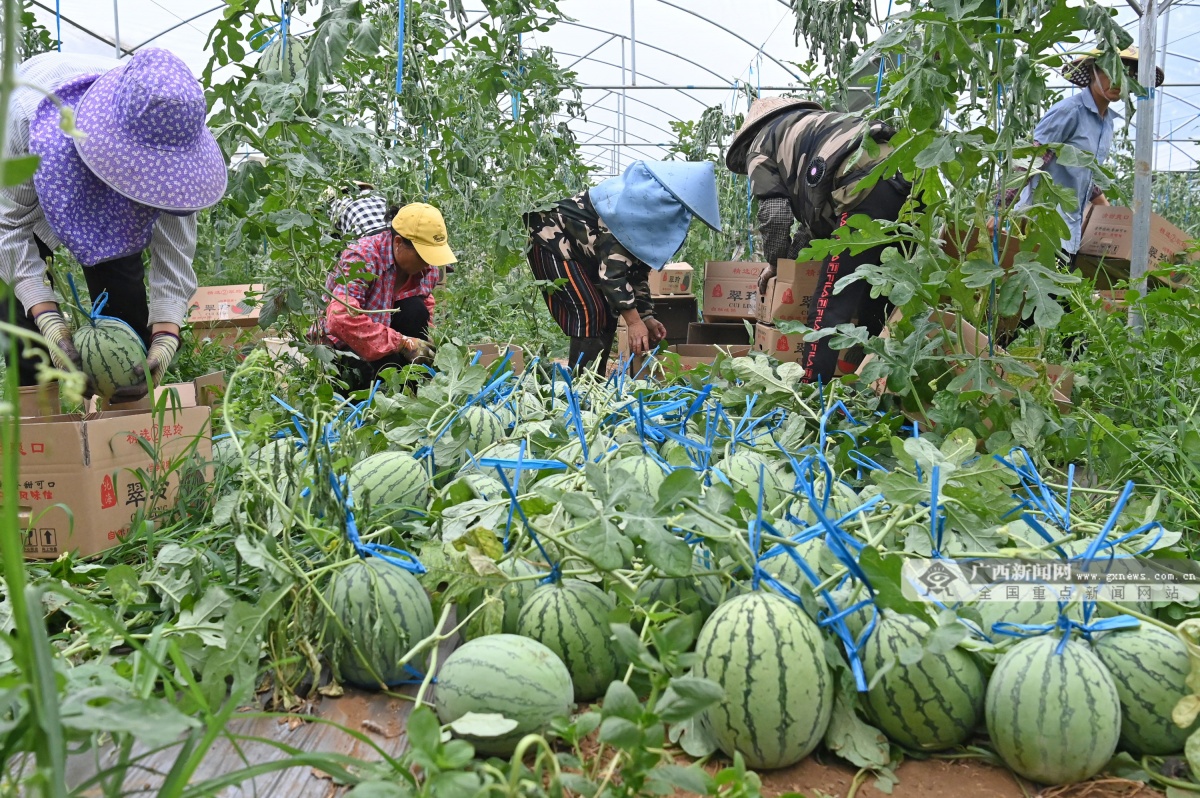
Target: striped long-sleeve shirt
172, 244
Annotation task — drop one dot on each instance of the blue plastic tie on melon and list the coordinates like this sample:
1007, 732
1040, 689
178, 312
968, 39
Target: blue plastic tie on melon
1067, 626
409, 562
417, 678
520, 465
936, 527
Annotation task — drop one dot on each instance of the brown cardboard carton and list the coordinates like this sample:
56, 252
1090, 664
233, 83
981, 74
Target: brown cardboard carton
764, 303
674, 278
223, 313
798, 272
690, 356
731, 290
958, 243
78, 484
490, 353
792, 294
1108, 235
726, 334
787, 348
39, 400
206, 390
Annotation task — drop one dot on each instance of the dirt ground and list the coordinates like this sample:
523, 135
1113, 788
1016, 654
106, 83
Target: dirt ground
814, 778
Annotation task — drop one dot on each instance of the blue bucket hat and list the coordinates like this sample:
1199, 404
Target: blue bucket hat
651, 205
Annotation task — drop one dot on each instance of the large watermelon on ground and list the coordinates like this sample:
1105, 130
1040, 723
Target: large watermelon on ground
641, 471
380, 611
928, 705
282, 59
1053, 718
571, 618
109, 350
508, 675
1149, 666
769, 658
390, 478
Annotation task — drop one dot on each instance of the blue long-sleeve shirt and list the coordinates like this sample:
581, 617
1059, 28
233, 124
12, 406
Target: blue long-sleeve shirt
1076, 121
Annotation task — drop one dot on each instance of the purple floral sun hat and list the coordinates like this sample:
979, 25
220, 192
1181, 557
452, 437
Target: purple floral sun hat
147, 137
90, 219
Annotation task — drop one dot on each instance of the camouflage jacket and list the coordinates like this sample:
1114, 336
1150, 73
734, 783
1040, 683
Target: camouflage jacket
573, 230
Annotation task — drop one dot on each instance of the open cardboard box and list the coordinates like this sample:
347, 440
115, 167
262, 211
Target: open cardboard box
490, 353
80, 477
1106, 247
224, 313
674, 278
968, 340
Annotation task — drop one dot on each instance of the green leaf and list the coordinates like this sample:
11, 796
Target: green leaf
620, 733
423, 731
18, 170
693, 737
380, 789
1192, 751
664, 550
101, 709
679, 485
455, 784
849, 737
122, 582
685, 697
620, 701
690, 779
478, 724
604, 544
884, 575
940, 151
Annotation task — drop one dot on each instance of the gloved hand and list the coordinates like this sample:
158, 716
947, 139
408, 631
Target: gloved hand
63, 354
765, 278
162, 351
417, 350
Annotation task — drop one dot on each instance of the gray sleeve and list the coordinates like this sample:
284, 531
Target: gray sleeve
172, 278
775, 222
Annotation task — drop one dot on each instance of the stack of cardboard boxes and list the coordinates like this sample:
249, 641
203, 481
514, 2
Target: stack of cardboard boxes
788, 298
675, 305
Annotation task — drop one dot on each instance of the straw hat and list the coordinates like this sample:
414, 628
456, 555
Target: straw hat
1079, 71
761, 112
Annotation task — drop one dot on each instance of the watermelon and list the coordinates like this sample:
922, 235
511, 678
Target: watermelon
504, 450
571, 619
744, 469
380, 611
641, 471
282, 60
769, 658
1053, 718
109, 351
1021, 612
1149, 666
484, 428
508, 675
929, 705
390, 478
513, 594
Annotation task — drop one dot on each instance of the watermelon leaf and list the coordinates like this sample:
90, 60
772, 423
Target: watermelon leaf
884, 574
423, 731
679, 485
478, 724
686, 697
663, 550
620, 701
1192, 751
693, 738
848, 736
690, 779
620, 733
604, 544
380, 789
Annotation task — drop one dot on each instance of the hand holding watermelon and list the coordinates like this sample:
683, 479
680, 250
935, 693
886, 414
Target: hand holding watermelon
63, 353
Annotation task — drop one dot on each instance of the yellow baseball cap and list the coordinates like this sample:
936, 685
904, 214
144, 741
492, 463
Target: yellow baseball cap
424, 226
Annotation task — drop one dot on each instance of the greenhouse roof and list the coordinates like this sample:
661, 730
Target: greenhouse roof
643, 64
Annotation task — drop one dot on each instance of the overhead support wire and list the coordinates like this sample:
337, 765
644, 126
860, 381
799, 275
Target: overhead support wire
80, 27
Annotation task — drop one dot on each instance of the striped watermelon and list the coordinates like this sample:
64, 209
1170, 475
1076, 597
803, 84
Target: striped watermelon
744, 468
1053, 718
514, 594
1149, 666
571, 619
642, 471
282, 61
390, 478
1021, 612
484, 428
929, 705
770, 659
508, 675
109, 350
504, 450
380, 611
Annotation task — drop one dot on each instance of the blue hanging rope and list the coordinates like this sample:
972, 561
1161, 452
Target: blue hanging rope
390, 554
273, 32
400, 53
58, 23
520, 465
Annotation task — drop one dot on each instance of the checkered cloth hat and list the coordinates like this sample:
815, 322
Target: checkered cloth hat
357, 217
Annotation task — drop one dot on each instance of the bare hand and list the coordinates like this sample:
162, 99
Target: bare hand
639, 337
1100, 200
657, 332
765, 278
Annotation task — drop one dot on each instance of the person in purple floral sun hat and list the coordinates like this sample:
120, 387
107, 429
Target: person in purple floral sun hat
133, 183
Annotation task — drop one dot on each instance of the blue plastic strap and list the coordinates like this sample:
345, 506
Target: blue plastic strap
1066, 625
404, 559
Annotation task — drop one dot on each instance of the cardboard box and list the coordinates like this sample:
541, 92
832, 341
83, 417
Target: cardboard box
490, 353
1108, 236
690, 355
710, 333
731, 290
78, 484
674, 278
789, 296
224, 313
207, 391
786, 348
1112, 301
39, 400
